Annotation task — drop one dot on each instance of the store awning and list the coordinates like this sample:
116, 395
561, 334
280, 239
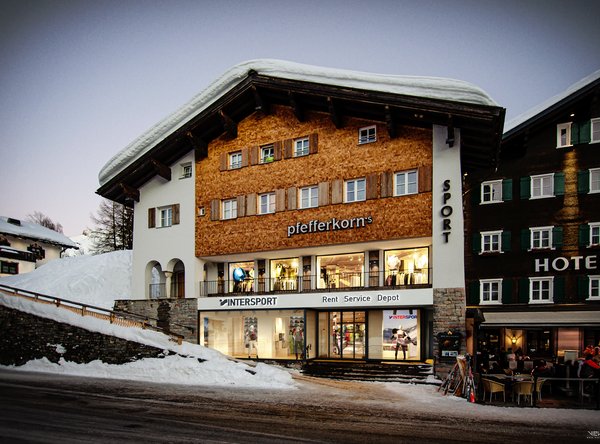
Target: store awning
541, 318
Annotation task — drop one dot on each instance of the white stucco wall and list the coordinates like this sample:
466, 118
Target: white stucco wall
448, 240
166, 245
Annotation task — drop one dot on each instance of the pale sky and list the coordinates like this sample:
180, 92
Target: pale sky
79, 79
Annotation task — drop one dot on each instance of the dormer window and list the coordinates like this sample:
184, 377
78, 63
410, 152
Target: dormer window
367, 134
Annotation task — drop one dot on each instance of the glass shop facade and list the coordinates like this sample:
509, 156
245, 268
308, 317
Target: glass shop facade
350, 309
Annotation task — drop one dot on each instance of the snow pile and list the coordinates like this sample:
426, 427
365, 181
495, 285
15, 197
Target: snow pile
90, 280
427, 87
98, 281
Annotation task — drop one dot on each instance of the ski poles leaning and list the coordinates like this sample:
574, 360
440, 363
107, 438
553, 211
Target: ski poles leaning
460, 381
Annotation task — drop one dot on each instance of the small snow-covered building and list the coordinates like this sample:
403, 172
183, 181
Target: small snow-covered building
309, 210
26, 245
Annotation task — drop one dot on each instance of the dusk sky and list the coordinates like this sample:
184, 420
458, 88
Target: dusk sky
80, 80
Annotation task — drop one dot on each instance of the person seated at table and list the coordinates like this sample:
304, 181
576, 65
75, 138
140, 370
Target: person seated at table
540, 368
590, 368
495, 369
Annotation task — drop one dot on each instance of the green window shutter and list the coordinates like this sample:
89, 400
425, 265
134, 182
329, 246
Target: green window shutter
583, 182
583, 288
507, 189
574, 133
584, 235
477, 243
525, 239
506, 241
585, 132
476, 194
474, 297
559, 184
524, 291
525, 187
507, 285
559, 290
557, 237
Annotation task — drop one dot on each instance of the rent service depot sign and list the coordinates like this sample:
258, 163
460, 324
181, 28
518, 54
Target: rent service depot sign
341, 300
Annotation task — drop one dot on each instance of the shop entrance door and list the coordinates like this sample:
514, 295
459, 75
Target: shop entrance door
343, 334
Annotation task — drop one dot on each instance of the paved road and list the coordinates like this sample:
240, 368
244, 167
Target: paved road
47, 408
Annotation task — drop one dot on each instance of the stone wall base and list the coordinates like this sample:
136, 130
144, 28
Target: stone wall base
449, 308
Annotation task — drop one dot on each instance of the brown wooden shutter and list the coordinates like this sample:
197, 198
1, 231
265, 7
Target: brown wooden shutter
277, 150
215, 209
254, 155
337, 191
251, 204
387, 184
151, 217
223, 162
323, 194
175, 211
371, 185
287, 148
279, 200
425, 179
313, 143
244, 157
241, 206
292, 198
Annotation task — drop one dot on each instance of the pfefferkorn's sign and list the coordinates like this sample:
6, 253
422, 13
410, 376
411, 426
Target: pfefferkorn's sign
317, 226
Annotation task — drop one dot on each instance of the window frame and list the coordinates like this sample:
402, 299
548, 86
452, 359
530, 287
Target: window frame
231, 212
595, 123
498, 292
559, 133
186, 170
357, 191
265, 149
541, 178
594, 233
165, 216
550, 290
367, 137
491, 234
233, 163
541, 230
10, 268
593, 287
304, 149
269, 205
594, 179
312, 197
492, 200
406, 174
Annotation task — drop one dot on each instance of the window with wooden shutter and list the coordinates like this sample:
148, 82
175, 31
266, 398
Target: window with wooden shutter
215, 210
387, 184
583, 182
251, 200
292, 198
323, 194
337, 191
287, 148
277, 146
241, 206
372, 191
254, 155
279, 200
224, 162
314, 143
151, 217
425, 179
175, 210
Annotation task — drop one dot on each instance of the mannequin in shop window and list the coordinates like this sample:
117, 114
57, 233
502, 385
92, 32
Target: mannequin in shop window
298, 335
251, 341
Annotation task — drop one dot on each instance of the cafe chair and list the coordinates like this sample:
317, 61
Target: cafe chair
492, 387
538, 388
525, 389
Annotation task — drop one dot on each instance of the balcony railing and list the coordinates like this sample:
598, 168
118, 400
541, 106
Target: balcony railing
318, 283
158, 291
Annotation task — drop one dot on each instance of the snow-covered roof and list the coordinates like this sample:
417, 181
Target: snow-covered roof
30, 230
533, 112
426, 87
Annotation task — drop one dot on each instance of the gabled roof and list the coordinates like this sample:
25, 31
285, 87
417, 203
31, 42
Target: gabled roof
553, 106
34, 232
255, 85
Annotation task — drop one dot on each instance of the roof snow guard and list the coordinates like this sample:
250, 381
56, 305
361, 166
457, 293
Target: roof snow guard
255, 85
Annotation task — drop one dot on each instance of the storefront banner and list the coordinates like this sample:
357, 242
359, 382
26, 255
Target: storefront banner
342, 300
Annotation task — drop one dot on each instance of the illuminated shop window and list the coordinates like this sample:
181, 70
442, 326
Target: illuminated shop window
284, 274
341, 271
400, 334
406, 267
241, 277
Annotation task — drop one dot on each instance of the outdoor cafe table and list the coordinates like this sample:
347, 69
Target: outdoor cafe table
508, 380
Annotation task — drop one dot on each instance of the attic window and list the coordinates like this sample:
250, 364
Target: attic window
367, 135
16, 222
186, 170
